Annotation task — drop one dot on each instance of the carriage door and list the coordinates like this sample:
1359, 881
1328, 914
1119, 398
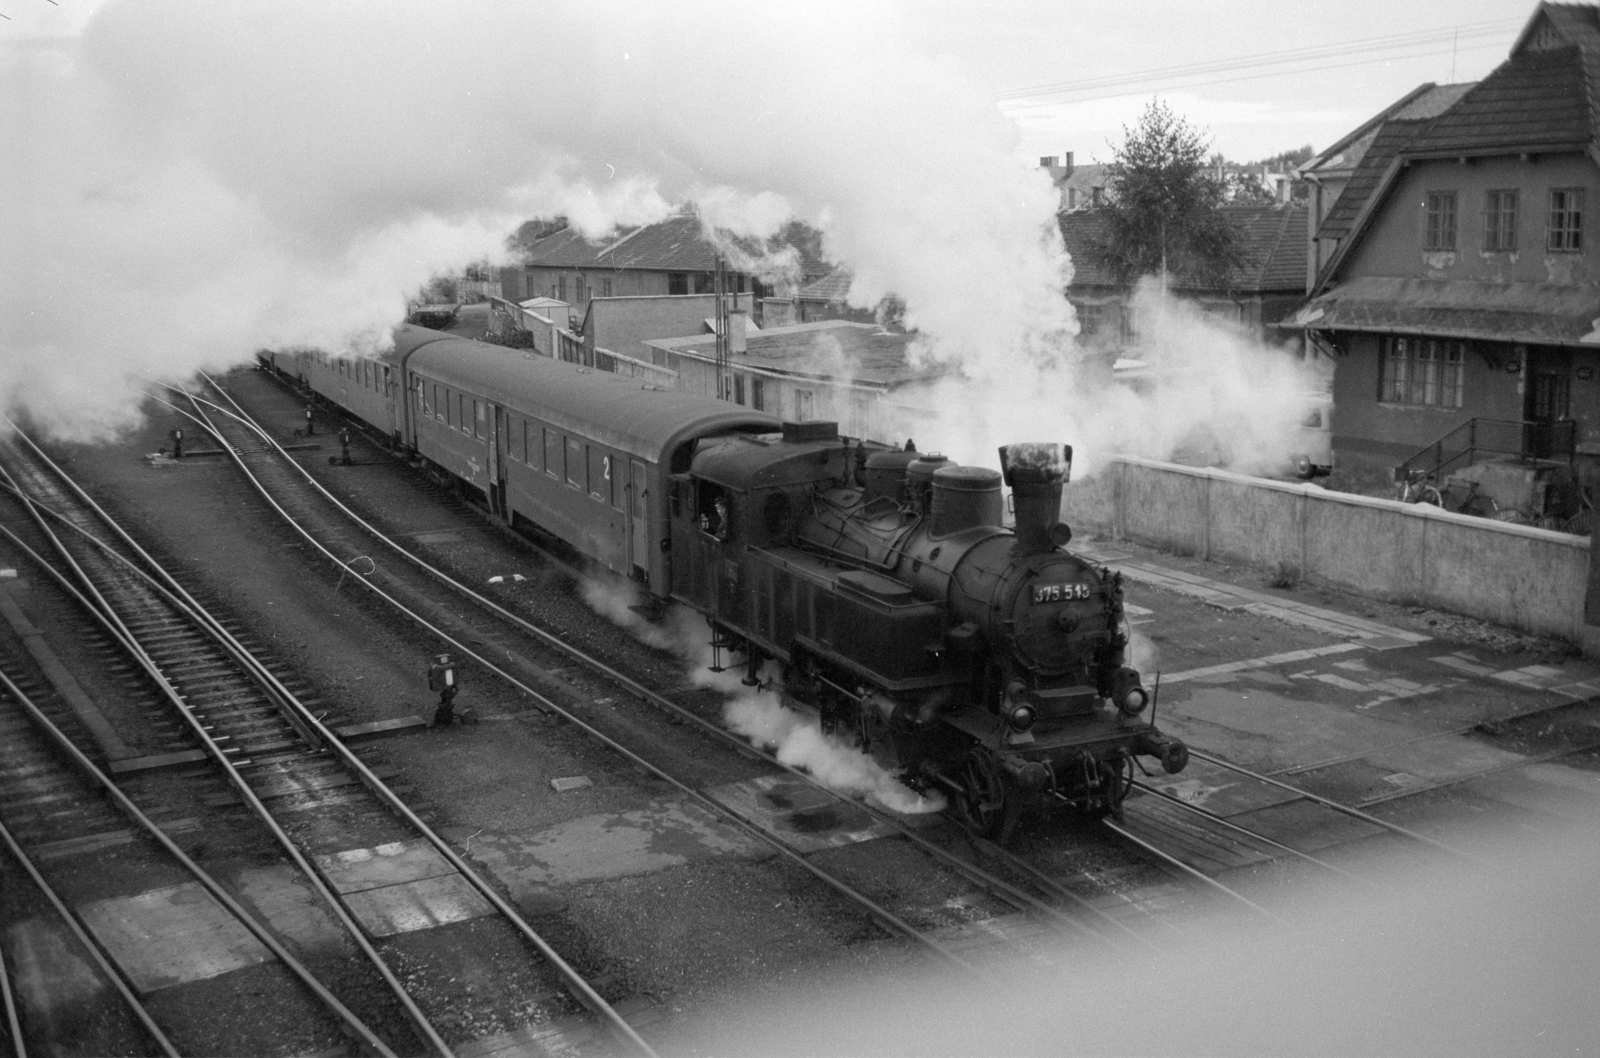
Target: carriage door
497, 461
639, 520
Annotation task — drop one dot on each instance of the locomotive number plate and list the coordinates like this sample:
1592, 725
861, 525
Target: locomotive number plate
1060, 592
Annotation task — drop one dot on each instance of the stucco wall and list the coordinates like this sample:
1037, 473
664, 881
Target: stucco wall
1526, 578
1393, 246
1369, 432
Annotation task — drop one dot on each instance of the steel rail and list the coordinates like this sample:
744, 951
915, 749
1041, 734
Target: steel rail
1354, 813
882, 914
93, 949
1251, 834
1022, 901
1167, 857
331, 743
120, 632
19, 1046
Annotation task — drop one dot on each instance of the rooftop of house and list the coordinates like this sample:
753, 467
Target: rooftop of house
858, 352
1544, 97
1272, 236
833, 287
1425, 101
676, 244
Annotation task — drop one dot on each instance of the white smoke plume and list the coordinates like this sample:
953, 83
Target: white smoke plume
1210, 388
756, 713
190, 181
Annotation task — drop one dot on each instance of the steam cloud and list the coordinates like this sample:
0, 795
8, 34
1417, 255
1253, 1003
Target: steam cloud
190, 181
756, 713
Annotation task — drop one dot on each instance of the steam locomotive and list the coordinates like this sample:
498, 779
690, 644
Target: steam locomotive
984, 661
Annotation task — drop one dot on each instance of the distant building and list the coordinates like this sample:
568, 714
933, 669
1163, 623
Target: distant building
1457, 274
670, 257
1268, 285
1081, 186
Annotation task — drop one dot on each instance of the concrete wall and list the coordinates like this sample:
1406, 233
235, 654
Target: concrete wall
1531, 579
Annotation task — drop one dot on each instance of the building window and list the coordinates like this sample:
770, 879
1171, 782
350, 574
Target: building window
677, 282
605, 287
802, 405
1090, 319
1441, 230
1425, 371
1500, 221
561, 288
738, 389
1566, 219
577, 288
758, 396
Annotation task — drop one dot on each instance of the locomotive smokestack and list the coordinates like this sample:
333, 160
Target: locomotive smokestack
1035, 474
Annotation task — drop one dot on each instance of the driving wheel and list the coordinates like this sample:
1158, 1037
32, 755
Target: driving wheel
983, 794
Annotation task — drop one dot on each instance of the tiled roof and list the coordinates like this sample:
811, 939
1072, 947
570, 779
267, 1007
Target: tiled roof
1425, 101
832, 287
1534, 99
676, 244
1388, 142
1272, 241
1545, 96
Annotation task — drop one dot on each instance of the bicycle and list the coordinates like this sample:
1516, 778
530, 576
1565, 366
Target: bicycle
1415, 487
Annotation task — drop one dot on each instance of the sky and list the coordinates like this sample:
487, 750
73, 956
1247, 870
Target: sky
1355, 57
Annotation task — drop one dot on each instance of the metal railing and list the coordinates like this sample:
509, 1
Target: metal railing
1462, 446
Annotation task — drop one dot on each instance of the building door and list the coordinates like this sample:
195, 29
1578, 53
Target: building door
1547, 403
639, 520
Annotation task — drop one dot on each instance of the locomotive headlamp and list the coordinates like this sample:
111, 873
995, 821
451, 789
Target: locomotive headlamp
1133, 701
1021, 717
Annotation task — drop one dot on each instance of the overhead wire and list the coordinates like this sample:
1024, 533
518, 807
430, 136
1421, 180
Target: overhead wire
1009, 107
1382, 44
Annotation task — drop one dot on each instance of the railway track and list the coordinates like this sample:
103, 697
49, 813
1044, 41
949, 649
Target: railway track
1023, 901
299, 781
1110, 911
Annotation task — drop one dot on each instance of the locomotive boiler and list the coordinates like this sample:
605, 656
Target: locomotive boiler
984, 661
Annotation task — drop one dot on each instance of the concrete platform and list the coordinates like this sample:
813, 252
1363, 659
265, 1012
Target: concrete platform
171, 936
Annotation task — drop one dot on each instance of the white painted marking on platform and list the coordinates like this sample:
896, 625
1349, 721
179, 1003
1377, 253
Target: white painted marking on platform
1267, 662
172, 936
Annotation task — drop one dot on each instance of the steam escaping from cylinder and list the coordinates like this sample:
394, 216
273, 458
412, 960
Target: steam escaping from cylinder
757, 713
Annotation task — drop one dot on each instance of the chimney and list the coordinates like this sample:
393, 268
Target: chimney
1066, 162
1048, 161
1035, 473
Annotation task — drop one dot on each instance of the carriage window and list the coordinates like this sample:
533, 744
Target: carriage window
575, 466
519, 440
477, 419
438, 405
599, 475
449, 415
614, 483
419, 398
552, 452
462, 422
